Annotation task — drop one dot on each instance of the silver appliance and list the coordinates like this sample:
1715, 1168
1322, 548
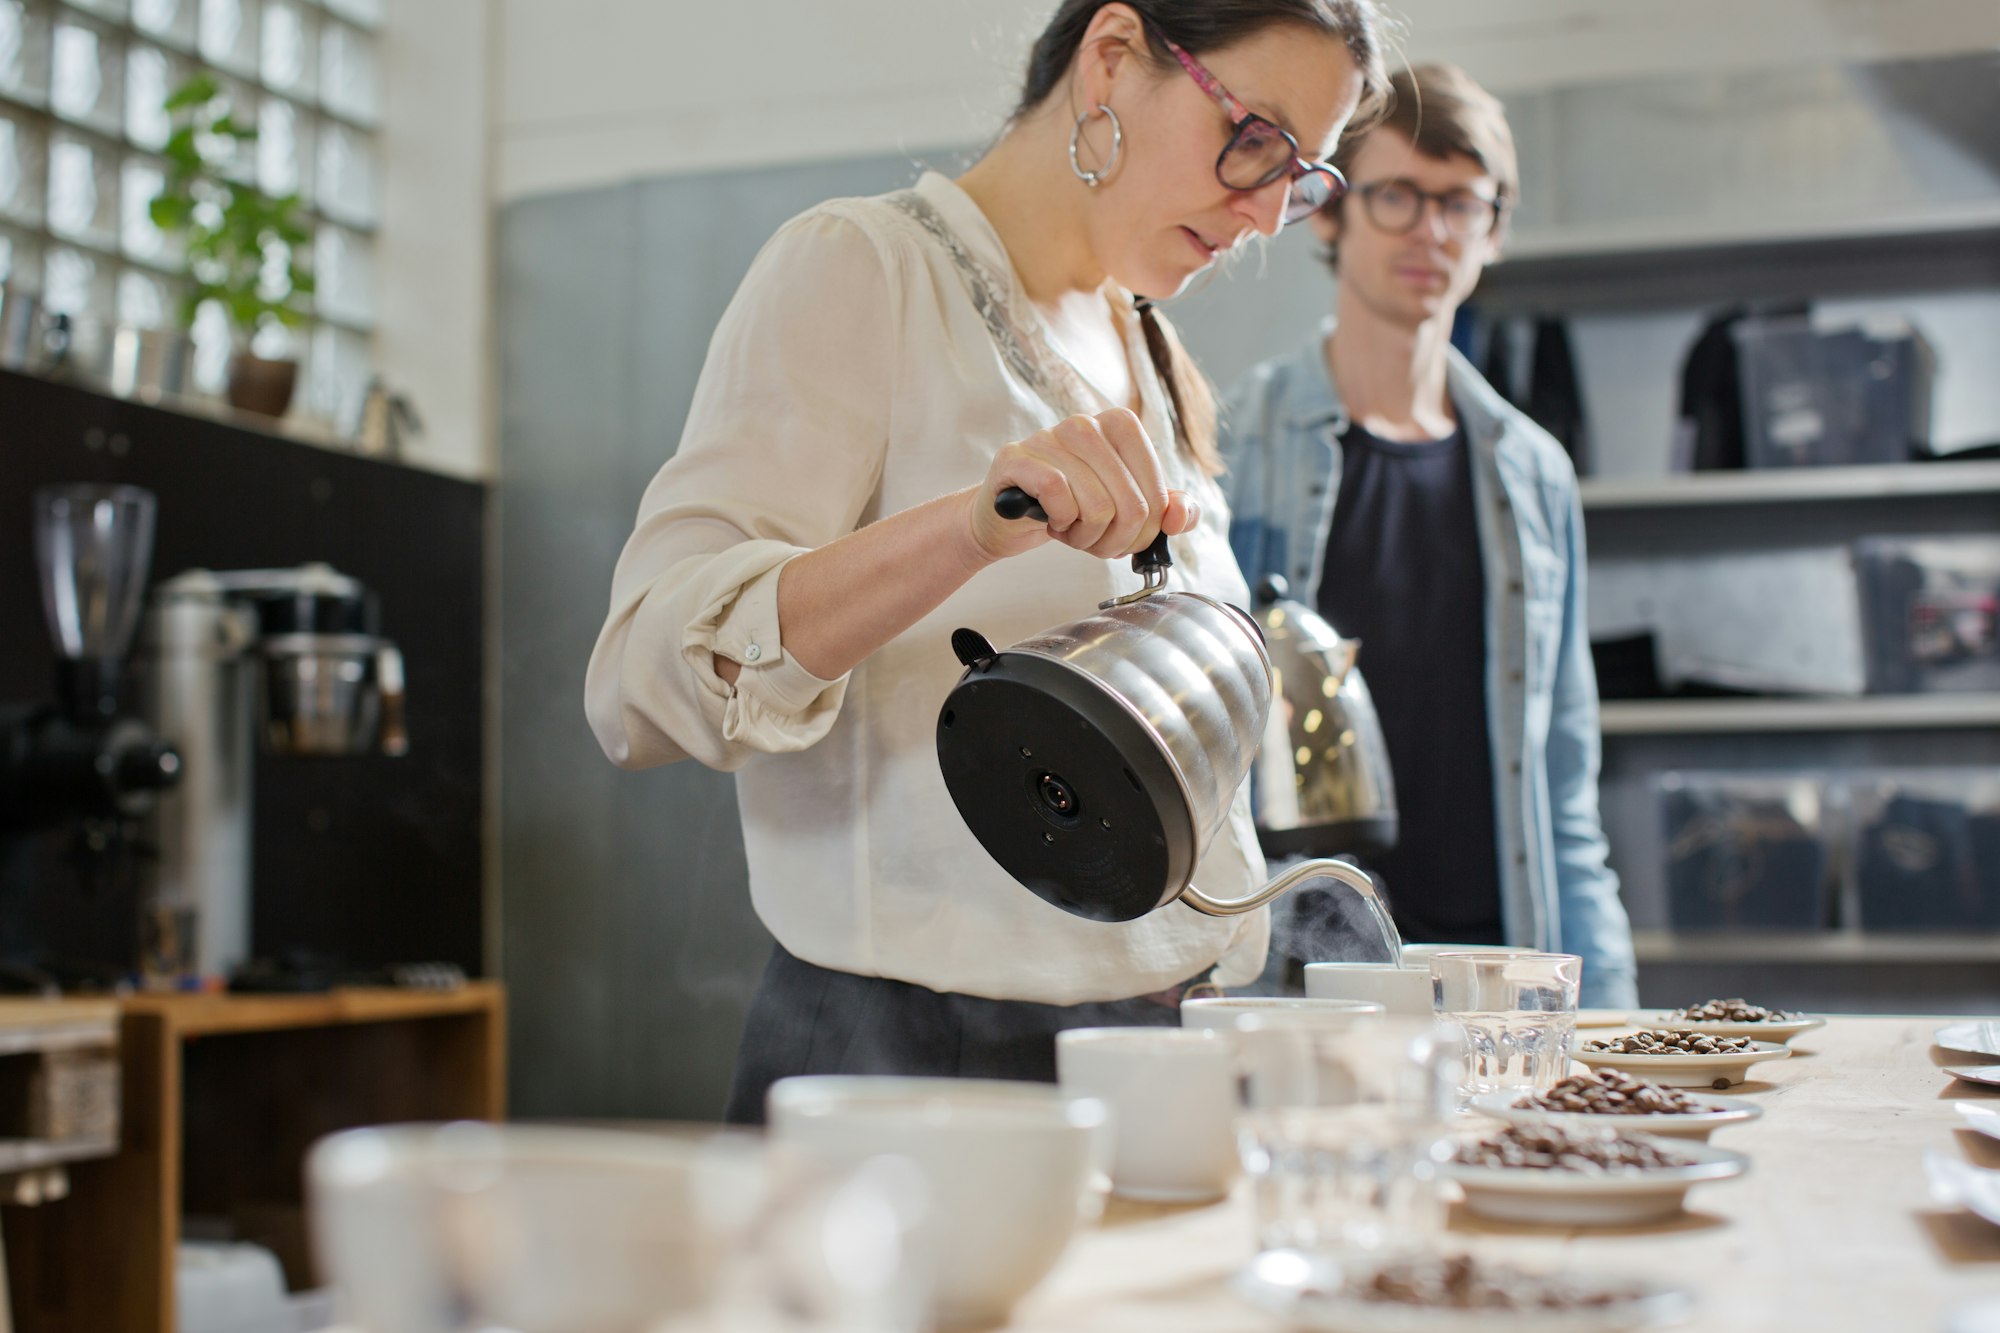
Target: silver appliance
1097, 761
289, 661
1322, 784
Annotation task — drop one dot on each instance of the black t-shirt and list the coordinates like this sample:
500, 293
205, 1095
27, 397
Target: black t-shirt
1403, 575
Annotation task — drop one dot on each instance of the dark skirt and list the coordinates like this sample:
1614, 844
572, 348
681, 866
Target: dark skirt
808, 1019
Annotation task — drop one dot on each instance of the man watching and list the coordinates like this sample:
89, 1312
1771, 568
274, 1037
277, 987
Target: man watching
1396, 490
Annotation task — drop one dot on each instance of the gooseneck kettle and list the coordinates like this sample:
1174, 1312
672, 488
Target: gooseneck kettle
1097, 761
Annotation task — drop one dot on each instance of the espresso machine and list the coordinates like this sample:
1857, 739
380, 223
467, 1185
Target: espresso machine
283, 661
85, 761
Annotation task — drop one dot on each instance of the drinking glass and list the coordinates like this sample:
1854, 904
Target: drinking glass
1517, 1012
1341, 1131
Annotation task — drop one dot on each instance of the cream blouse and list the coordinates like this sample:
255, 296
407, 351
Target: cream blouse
854, 375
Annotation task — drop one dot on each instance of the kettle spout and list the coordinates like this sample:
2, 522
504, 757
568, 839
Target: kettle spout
1353, 876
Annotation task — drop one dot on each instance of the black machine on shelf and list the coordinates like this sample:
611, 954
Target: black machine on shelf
84, 761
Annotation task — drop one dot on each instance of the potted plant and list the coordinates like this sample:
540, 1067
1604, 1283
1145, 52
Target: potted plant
241, 245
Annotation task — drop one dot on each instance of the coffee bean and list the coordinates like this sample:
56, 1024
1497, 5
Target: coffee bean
1460, 1282
1730, 1011
1675, 1041
1612, 1092
1544, 1147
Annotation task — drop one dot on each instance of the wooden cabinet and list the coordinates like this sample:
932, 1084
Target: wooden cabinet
222, 1095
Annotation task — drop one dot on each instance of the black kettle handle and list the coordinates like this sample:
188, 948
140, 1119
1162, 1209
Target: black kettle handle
1013, 502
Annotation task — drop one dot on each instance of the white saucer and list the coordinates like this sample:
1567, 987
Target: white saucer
1979, 1037
1603, 1018
1697, 1125
1719, 1070
1982, 1116
1961, 1184
1985, 1075
1304, 1291
1574, 1198
1782, 1030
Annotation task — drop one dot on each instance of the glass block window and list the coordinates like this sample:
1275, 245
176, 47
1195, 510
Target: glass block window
82, 83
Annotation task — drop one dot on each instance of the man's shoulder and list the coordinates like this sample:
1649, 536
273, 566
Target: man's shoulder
1272, 379
1516, 435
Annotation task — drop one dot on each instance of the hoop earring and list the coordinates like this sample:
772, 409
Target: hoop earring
1096, 178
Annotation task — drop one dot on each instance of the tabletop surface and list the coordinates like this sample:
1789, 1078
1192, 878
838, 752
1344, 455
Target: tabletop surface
1832, 1229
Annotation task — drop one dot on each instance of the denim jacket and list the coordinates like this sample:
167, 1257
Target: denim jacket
1280, 440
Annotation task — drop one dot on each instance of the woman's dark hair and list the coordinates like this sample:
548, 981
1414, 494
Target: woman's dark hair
1201, 26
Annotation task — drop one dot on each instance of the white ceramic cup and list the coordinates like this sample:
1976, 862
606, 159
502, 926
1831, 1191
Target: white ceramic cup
1172, 1094
1420, 955
1007, 1168
1220, 1011
1401, 990
553, 1229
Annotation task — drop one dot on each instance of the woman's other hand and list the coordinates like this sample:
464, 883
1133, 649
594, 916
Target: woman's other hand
1099, 481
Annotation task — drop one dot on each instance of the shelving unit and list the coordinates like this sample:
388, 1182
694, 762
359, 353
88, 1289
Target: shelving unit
1602, 269
1832, 946
1660, 717
1629, 271
1802, 485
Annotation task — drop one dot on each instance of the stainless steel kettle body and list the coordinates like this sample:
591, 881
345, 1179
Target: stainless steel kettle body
1322, 782
1097, 761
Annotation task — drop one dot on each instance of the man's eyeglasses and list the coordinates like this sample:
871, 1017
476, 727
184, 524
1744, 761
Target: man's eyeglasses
1397, 206
1259, 152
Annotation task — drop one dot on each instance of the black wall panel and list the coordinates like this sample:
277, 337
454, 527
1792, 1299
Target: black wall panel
369, 859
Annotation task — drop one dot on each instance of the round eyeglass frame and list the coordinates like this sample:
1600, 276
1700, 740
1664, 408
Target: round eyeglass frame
1371, 193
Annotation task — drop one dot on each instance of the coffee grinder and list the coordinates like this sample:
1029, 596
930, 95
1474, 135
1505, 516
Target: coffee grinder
83, 761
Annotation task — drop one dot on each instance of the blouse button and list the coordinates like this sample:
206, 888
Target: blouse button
752, 652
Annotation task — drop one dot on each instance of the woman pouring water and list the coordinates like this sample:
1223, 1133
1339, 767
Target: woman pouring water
784, 605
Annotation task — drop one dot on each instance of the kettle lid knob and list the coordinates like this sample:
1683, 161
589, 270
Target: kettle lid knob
971, 647
1271, 588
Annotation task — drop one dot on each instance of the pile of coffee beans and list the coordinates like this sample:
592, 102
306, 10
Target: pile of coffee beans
1612, 1092
1547, 1148
1730, 1011
1653, 1041
1459, 1282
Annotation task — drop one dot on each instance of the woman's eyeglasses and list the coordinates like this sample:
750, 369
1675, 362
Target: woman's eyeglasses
1396, 206
1259, 152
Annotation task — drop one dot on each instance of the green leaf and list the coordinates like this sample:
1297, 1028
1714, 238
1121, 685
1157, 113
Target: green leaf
197, 91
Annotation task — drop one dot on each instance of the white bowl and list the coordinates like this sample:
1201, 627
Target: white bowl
1008, 1168
544, 1227
1556, 1197
1720, 1070
1220, 1011
1697, 1125
1781, 1030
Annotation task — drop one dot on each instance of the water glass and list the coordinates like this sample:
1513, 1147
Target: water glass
1517, 1012
1341, 1132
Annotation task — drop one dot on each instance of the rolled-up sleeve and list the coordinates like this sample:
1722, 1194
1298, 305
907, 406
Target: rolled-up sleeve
782, 453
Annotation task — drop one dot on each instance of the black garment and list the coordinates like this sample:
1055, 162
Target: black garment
808, 1019
1403, 575
1551, 395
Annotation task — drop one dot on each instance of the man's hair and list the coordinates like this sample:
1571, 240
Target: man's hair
1442, 111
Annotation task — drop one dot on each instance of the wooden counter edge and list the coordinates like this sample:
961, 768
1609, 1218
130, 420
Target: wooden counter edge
195, 1015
